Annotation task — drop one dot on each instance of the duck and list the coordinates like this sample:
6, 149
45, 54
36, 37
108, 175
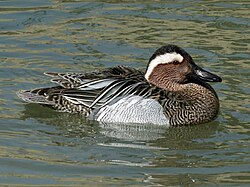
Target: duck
172, 91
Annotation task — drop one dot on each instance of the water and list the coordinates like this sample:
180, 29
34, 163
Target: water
42, 147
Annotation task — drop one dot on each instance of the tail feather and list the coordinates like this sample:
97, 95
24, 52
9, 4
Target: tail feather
30, 97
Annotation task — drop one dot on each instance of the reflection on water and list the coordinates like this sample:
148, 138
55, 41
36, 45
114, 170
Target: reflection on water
42, 147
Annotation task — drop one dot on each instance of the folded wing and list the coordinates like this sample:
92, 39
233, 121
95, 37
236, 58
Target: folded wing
83, 92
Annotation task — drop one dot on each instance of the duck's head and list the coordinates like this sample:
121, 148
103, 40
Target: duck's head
170, 65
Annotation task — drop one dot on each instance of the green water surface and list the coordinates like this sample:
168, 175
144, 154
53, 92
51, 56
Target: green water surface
41, 147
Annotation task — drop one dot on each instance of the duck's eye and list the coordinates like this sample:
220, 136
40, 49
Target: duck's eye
176, 62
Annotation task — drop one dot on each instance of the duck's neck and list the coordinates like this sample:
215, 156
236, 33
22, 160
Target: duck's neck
201, 104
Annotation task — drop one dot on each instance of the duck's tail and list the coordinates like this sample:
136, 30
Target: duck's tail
34, 96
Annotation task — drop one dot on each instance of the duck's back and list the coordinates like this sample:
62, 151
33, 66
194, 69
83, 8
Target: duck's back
86, 92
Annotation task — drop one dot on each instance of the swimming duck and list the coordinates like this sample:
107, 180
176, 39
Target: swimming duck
172, 91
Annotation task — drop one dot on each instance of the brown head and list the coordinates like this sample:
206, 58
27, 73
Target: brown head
170, 67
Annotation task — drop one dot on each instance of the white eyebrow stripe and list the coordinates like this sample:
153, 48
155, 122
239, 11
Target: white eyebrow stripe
162, 59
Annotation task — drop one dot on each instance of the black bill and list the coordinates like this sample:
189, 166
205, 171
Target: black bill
199, 73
